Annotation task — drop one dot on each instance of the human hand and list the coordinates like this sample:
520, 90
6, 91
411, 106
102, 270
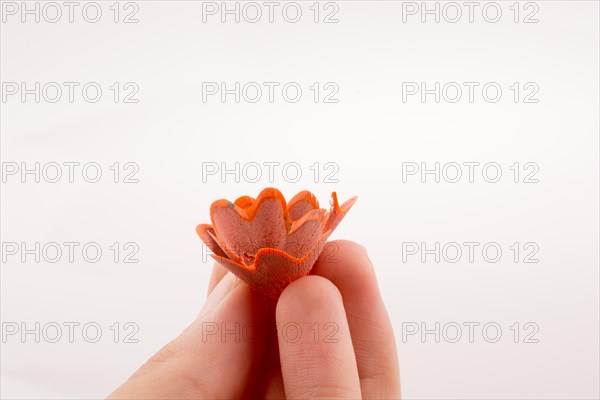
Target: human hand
354, 358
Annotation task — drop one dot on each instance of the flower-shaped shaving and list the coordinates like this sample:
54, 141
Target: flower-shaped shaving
268, 243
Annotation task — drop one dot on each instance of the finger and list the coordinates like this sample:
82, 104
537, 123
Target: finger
347, 265
218, 272
314, 362
274, 388
210, 359
266, 381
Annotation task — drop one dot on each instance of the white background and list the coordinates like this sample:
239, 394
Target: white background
369, 133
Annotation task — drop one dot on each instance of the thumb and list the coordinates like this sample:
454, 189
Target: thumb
211, 358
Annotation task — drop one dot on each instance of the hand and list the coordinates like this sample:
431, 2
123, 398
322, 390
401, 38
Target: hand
217, 357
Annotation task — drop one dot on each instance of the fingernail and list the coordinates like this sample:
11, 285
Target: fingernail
228, 282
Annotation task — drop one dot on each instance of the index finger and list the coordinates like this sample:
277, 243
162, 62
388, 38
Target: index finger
348, 266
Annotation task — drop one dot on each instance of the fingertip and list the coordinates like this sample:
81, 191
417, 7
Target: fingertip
307, 293
345, 248
347, 264
345, 251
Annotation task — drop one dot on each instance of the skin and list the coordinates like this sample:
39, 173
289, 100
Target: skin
358, 360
